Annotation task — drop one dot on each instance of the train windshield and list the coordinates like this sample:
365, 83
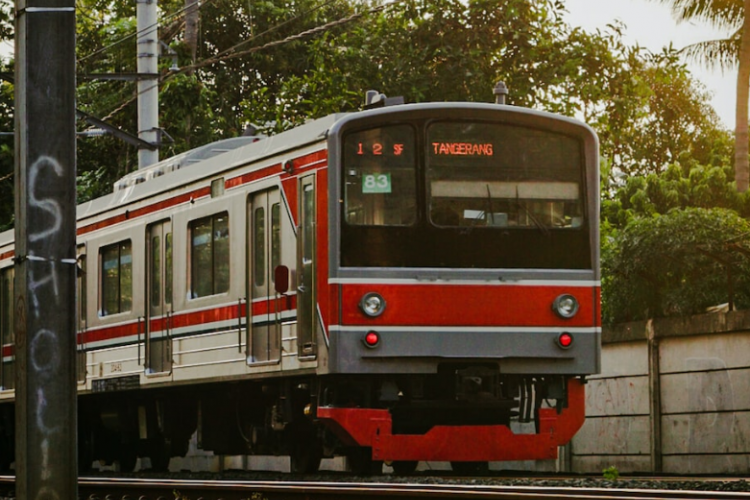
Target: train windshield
460, 194
501, 176
380, 179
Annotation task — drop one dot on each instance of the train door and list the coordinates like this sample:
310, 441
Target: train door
81, 313
306, 269
264, 230
159, 299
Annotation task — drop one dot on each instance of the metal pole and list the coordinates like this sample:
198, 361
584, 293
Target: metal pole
148, 81
45, 235
654, 390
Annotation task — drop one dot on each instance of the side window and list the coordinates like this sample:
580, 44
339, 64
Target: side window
116, 278
275, 235
259, 252
81, 290
168, 268
81, 312
156, 271
209, 255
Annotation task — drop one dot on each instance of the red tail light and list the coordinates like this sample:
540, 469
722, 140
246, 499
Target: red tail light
372, 339
565, 340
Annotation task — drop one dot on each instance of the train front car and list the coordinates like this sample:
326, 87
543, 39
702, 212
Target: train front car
463, 283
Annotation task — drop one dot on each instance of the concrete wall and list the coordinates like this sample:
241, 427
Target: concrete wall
673, 397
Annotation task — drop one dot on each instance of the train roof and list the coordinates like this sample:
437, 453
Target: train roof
214, 158
204, 161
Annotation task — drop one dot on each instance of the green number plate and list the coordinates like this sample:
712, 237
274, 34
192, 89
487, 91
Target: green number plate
376, 183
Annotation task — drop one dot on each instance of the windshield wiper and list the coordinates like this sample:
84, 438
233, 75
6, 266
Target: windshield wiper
539, 224
489, 205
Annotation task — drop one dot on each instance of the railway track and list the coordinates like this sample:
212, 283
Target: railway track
174, 489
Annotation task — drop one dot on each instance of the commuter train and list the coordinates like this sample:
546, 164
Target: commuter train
408, 282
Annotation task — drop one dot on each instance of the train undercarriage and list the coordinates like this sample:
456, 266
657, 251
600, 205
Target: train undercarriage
370, 419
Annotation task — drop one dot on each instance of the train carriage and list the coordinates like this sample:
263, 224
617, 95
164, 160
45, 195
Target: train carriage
411, 282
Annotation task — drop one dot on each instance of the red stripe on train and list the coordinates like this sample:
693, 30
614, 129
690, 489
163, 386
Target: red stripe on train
300, 164
140, 212
191, 319
469, 305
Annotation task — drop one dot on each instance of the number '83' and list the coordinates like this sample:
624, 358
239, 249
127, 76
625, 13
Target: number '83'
376, 181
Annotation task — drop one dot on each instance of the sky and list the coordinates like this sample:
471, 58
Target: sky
651, 25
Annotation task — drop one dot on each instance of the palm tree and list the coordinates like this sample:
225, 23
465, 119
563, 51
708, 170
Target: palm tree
735, 50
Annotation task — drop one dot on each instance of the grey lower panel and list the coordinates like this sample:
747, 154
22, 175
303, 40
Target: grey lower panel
405, 351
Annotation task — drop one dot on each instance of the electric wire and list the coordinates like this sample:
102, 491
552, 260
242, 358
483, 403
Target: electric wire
151, 27
220, 58
275, 28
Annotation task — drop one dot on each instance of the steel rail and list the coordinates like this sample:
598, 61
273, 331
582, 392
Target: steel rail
228, 490
168, 489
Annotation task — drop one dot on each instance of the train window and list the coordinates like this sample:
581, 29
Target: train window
259, 244
116, 278
81, 282
209, 255
275, 235
168, 268
380, 177
483, 174
81, 311
156, 271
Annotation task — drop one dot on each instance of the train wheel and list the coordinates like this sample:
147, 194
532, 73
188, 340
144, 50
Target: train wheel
404, 467
305, 457
360, 462
6, 453
305, 451
127, 457
85, 453
160, 456
470, 467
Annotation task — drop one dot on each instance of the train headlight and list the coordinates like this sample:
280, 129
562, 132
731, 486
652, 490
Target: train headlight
565, 306
372, 304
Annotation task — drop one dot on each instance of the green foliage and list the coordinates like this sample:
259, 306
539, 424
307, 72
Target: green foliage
611, 473
678, 263
676, 187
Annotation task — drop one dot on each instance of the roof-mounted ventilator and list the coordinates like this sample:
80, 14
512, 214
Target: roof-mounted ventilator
374, 99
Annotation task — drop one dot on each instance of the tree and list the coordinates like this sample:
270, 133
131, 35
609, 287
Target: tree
729, 14
654, 267
279, 64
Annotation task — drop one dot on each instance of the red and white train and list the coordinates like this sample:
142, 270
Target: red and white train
406, 283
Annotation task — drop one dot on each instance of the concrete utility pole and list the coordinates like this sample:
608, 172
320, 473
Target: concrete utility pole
148, 80
192, 17
45, 232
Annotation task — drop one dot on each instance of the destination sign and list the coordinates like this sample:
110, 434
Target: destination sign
462, 149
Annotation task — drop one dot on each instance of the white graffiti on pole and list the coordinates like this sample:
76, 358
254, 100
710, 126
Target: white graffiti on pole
44, 349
